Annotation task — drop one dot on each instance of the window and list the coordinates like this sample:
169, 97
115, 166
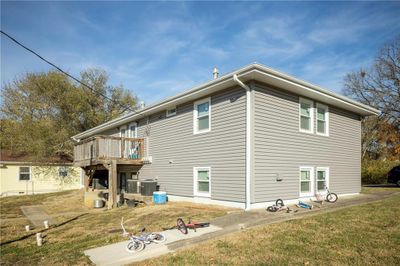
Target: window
201, 116
171, 112
322, 119
122, 132
24, 173
322, 179
202, 184
306, 115
306, 181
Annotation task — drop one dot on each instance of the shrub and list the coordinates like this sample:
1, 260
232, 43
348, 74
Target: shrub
375, 171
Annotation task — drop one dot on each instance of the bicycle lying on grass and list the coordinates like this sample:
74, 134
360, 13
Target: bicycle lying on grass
138, 243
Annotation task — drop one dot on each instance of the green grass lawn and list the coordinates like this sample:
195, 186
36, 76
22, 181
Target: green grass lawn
64, 245
368, 234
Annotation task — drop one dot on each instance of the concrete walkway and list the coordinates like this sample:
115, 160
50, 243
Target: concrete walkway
37, 215
116, 255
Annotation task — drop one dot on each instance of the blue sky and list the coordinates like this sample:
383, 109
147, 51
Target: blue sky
158, 49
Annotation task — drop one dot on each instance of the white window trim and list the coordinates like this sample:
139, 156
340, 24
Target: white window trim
130, 132
170, 114
311, 103
323, 106
312, 178
326, 169
195, 120
120, 130
30, 174
195, 185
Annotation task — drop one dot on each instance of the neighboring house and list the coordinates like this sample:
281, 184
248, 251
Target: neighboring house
243, 139
20, 176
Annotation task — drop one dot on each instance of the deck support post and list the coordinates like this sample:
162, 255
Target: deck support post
112, 184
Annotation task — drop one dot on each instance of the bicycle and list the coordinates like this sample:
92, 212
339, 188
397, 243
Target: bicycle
181, 226
279, 206
330, 196
138, 243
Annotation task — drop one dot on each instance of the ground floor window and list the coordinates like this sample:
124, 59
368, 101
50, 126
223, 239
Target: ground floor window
202, 181
322, 179
306, 181
24, 173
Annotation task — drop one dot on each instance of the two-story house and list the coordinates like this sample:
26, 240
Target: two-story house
243, 139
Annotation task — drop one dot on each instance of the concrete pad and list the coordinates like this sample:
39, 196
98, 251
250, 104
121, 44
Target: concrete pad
37, 215
116, 254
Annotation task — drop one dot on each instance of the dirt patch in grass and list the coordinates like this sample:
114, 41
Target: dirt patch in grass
368, 234
64, 245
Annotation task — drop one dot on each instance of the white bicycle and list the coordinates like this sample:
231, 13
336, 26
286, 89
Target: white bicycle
138, 243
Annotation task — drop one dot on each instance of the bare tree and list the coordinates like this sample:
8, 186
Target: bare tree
379, 87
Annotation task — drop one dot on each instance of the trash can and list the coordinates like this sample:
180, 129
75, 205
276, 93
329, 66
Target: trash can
159, 197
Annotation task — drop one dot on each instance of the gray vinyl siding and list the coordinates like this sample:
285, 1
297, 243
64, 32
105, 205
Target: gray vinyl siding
279, 147
111, 132
175, 150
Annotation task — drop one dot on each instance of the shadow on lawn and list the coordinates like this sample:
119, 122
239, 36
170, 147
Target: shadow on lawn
41, 231
382, 185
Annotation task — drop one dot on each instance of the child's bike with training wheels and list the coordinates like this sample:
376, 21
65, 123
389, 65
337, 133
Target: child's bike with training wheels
138, 243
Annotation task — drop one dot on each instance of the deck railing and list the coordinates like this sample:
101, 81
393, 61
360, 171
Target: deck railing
108, 147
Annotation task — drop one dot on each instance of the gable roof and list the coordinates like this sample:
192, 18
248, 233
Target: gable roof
253, 71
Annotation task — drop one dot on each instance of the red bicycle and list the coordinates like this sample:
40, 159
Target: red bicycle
183, 227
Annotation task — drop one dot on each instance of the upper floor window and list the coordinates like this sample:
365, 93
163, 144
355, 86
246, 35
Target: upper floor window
24, 173
171, 112
306, 115
322, 119
202, 116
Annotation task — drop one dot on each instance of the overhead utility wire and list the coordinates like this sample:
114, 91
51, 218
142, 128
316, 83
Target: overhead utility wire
65, 73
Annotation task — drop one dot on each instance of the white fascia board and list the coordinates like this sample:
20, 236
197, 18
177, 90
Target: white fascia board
255, 72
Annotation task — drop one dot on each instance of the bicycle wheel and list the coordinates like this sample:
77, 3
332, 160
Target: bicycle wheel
272, 209
331, 197
181, 226
279, 203
135, 246
159, 238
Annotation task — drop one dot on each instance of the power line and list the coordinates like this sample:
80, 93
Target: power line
65, 73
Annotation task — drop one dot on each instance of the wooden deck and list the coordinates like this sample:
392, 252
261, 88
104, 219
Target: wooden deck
101, 150
107, 152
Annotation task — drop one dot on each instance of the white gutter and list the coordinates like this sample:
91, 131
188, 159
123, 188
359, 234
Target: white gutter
248, 140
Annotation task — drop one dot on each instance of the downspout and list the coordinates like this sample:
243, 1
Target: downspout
248, 140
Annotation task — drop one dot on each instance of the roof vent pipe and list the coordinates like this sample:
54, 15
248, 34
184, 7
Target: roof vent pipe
215, 73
